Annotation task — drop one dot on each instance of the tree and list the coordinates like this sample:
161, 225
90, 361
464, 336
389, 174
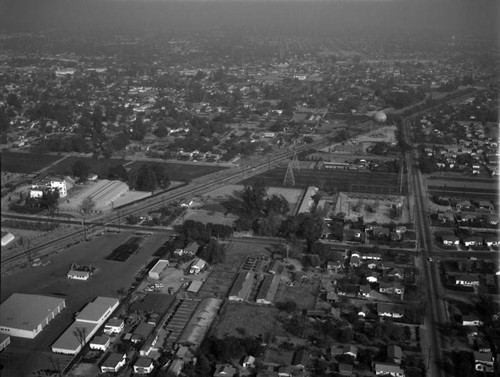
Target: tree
87, 205
213, 252
310, 227
148, 177
80, 169
13, 100
80, 333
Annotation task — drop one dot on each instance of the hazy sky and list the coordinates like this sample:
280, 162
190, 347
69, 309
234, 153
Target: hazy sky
280, 16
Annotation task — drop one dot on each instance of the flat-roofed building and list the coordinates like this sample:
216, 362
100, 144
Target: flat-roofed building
268, 290
241, 286
100, 343
86, 324
25, 316
74, 338
99, 310
155, 272
114, 326
195, 286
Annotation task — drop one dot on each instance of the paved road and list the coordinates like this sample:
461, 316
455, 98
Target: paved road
435, 310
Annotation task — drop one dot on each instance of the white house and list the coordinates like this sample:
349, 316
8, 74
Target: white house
143, 365
155, 272
197, 266
391, 369
249, 362
114, 326
100, 343
113, 363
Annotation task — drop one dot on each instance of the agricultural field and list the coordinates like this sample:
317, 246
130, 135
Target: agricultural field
97, 166
18, 162
335, 180
180, 171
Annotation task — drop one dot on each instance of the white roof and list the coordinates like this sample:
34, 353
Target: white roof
159, 266
26, 312
95, 311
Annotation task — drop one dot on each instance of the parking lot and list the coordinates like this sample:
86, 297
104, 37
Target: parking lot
26, 357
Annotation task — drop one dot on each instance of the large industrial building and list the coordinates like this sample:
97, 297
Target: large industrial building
86, 324
25, 316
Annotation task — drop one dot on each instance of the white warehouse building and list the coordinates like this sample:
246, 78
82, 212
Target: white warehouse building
155, 272
25, 316
86, 324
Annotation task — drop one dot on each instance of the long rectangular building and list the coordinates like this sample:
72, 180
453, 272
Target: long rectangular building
86, 324
241, 286
268, 289
25, 316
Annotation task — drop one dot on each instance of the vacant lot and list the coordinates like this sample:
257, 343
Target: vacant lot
97, 166
18, 162
302, 293
239, 319
51, 280
372, 208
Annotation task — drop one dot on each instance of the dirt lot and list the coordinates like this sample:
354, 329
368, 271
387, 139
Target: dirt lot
51, 280
356, 205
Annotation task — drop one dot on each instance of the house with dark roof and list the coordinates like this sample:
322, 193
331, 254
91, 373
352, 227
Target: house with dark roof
224, 370
394, 354
388, 369
113, 362
300, 358
385, 309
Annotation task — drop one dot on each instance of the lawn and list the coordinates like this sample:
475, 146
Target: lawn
17, 162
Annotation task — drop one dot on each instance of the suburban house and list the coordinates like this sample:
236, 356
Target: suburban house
390, 369
364, 290
143, 365
100, 343
389, 310
197, 266
450, 240
224, 370
113, 363
114, 326
249, 362
394, 354
484, 361
300, 358
471, 320
391, 287
466, 280
349, 290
